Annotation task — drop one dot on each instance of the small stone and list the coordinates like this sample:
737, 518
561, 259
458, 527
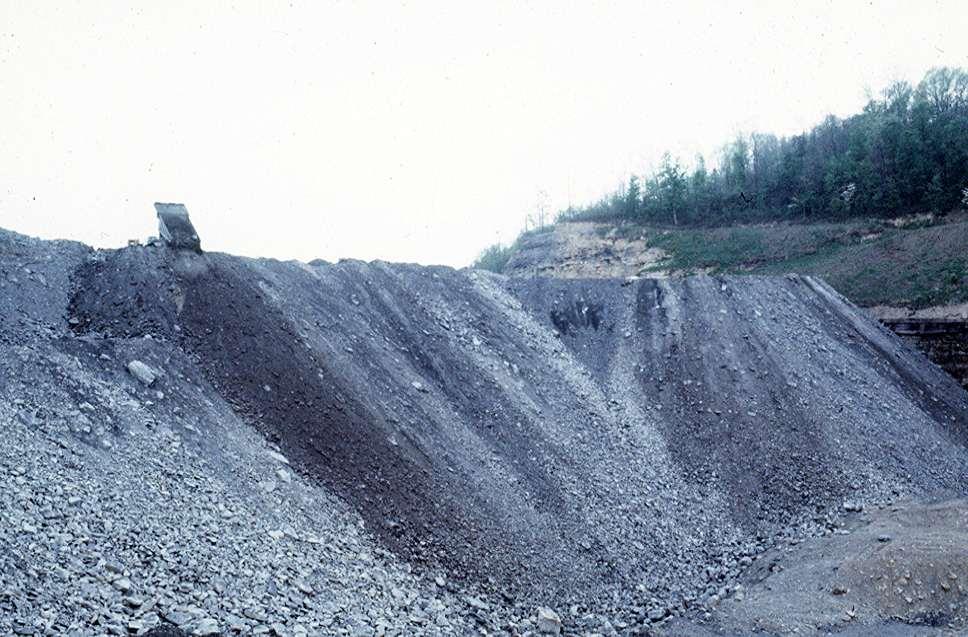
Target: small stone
839, 590
236, 624
284, 475
883, 538
142, 372
206, 627
278, 457
475, 602
657, 615
276, 535
255, 614
548, 622
279, 630
178, 618
122, 584
134, 601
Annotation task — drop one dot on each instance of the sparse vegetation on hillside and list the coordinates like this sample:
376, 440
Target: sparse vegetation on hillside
820, 202
872, 262
905, 153
495, 257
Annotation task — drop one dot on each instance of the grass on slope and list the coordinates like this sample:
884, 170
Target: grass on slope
871, 262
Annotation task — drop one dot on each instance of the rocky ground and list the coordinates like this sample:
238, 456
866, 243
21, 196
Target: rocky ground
141, 527
896, 569
129, 505
369, 449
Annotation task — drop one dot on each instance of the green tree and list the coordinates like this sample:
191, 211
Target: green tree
633, 198
672, 188
493, 258
906, 151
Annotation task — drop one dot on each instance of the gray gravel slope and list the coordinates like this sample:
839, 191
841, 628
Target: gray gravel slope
615, 449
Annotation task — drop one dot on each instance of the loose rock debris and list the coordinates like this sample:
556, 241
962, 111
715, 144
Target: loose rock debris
431, 451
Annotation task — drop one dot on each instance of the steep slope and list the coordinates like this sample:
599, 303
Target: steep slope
128, 506
552, 433
904, 268
626, 447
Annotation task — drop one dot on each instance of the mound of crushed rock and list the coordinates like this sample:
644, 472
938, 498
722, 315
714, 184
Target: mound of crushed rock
431, 450
134, 498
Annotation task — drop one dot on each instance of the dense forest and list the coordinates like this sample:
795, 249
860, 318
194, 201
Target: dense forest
906, 152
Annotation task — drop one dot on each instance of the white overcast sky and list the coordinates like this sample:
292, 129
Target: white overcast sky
418, 131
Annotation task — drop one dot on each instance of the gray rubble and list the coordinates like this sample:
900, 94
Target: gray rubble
370, 449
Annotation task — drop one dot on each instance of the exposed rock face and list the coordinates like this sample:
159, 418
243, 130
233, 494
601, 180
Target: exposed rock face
584, 250
626, 448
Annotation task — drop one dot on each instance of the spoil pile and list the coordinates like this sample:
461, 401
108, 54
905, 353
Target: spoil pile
620, 450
